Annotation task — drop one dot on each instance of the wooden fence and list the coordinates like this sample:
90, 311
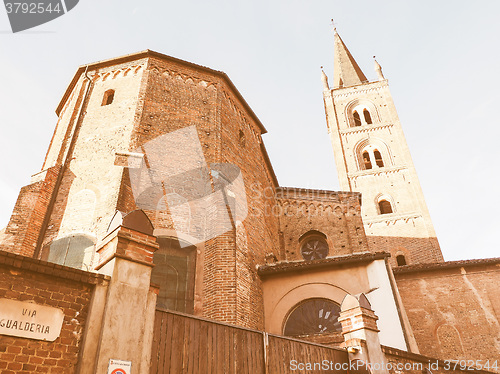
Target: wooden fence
189, 344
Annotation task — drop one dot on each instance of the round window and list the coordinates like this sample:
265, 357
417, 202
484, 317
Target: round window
314, 248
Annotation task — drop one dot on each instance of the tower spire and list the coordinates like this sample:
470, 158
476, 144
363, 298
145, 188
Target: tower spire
346, 71
378, 70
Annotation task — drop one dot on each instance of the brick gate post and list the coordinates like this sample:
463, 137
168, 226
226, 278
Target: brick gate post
359, 328
124, 312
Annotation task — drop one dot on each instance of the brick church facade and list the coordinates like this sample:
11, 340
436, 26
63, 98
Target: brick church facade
157, 196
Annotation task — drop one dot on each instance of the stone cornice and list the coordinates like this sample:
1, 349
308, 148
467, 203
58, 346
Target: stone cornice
363, 129
144, 57
291, 193
390, 218
376, 172
329, 262
356, 90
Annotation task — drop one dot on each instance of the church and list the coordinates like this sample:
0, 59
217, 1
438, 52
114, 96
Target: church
156, 239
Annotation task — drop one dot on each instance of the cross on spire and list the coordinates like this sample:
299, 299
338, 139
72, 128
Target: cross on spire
334, 26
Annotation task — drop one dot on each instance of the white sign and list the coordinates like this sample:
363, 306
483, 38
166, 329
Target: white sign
119, 367
29, 320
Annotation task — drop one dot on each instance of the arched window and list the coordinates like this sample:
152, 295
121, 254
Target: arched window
366, 160
357, 120
384, 207
378, 158
70, 251
361, 112
108, 97
174, 272
314, 246
368, 118
313, 317
401, 260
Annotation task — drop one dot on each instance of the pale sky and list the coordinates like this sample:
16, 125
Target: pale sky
440, 59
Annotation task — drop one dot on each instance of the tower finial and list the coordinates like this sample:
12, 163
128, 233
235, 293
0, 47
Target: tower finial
378, 70
324, 79
334, 27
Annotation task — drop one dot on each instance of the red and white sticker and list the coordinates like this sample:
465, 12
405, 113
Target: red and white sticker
119, 367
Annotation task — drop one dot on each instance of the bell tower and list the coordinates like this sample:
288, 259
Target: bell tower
372, 157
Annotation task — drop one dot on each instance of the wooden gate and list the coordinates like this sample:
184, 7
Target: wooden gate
189, 344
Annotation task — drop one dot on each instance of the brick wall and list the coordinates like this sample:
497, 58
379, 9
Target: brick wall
454, 308
173, 96
21, 233
70, 290
409, 363
337, 215
155, 95
415, 250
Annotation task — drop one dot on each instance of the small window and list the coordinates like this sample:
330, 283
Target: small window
378, 159
242, 139
385, 207
366, 160
357, 120
108, 97
368, 118
313, 317
401, 260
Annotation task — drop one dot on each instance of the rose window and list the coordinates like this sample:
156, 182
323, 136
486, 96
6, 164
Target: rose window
314, 249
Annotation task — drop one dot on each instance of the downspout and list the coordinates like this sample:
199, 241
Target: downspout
50, 207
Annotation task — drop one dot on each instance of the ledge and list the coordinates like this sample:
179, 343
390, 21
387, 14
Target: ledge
330, 262
364, 128
312, 194
51, 269
444, 265
390, 218
376, 171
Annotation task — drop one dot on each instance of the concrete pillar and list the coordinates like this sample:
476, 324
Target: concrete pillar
126, 309
359, 328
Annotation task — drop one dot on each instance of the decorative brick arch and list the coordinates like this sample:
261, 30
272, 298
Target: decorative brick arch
377, 144
360, 105
450, 342
384, 196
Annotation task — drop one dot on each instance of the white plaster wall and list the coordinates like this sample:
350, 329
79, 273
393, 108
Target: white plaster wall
384, 305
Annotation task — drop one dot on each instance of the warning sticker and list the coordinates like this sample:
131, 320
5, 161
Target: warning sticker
119, 367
